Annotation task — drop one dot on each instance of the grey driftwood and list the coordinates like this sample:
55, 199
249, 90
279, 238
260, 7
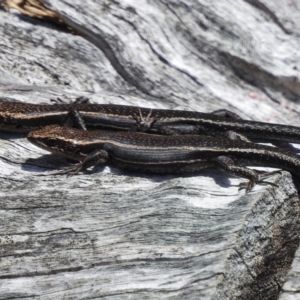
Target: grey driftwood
110, 234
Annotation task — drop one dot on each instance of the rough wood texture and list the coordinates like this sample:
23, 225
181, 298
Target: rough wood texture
115, 235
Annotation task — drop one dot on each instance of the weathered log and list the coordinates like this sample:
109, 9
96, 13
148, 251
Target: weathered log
117, 235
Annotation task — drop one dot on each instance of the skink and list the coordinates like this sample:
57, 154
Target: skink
25, 117
162, 154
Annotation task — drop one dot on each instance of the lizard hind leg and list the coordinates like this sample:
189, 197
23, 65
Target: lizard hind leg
232, 167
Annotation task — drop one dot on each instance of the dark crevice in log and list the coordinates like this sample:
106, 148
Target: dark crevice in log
42, 273
256, 76
101, 43
261, 6
160, 57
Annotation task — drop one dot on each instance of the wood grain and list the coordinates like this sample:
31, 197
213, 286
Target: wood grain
116, 235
